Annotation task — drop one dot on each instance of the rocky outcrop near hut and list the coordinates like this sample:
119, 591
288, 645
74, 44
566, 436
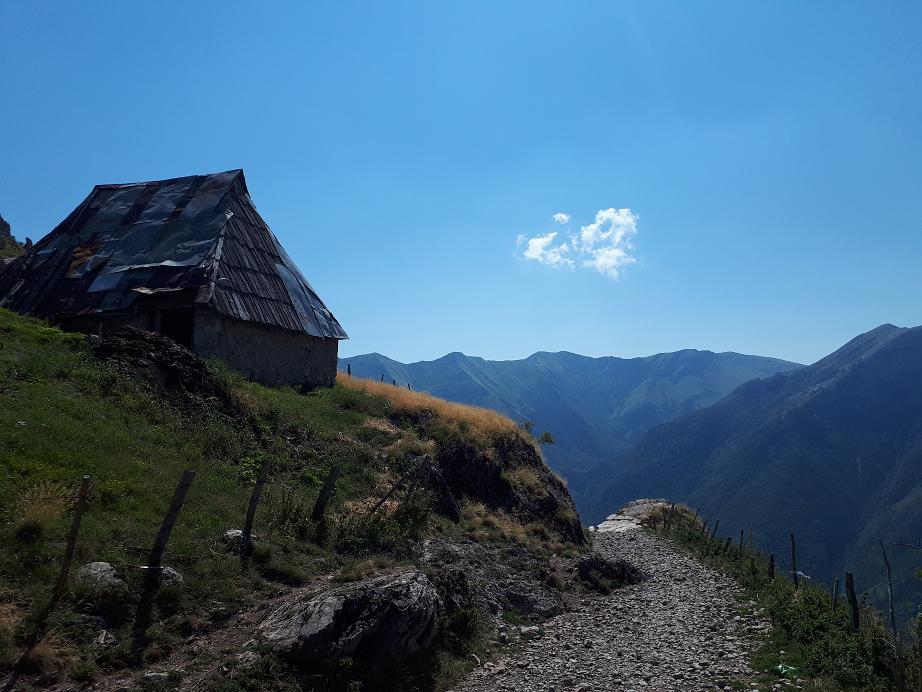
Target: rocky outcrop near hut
9, 246
510, 476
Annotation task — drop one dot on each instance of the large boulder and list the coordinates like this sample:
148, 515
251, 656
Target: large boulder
377, 621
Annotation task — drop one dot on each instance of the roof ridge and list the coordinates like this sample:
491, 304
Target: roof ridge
171, 181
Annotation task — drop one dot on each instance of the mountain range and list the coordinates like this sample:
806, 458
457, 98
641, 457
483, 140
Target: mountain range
831, 452
595, 408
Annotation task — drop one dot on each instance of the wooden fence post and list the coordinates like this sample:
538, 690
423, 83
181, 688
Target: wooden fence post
741, 545
771, 567
382, 377
153, 570
794, 563
716, 526
409, 388
79, 508
349, 369
325, 493
889, 590
254, 501
727, 544
695, 520
900, 681
852, 600
835, 594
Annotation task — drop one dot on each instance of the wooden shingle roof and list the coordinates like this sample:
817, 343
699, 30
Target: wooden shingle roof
189, 241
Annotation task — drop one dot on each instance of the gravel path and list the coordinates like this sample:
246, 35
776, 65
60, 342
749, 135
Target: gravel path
678, 630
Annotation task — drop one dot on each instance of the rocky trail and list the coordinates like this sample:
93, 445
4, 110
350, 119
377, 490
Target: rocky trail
683, 628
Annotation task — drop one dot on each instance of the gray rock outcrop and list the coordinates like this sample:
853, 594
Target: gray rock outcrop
101, 576
170, 577
378, 621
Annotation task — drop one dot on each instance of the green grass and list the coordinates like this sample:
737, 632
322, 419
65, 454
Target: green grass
64, 414
816, 640
9, 248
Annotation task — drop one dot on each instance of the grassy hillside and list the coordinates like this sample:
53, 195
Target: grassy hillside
135, 419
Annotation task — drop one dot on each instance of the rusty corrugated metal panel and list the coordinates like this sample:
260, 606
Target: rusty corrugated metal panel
182, 241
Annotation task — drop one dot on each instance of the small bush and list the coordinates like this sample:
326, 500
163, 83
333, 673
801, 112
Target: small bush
37, 507
28, 531
84, 672
282, 572
169, 600
50, 655
461, 631
392, 533
528, 479
261, 553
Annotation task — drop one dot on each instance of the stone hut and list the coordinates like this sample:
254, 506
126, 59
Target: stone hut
190, 258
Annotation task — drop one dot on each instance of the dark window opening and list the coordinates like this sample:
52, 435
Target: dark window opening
178, 325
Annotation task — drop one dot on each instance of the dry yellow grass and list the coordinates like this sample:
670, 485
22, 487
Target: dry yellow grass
10, 615
53, 653
410, 446
485, 525
482, 422
43, 502
383, 425
529, 479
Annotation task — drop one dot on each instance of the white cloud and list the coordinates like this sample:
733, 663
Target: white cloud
609, 261
605, 245
542, 249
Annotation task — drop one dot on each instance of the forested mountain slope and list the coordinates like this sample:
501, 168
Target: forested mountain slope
832, 452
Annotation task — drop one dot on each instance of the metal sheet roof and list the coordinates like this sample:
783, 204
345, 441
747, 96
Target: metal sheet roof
196, 240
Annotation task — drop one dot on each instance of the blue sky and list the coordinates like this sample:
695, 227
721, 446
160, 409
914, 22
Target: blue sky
768, 156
